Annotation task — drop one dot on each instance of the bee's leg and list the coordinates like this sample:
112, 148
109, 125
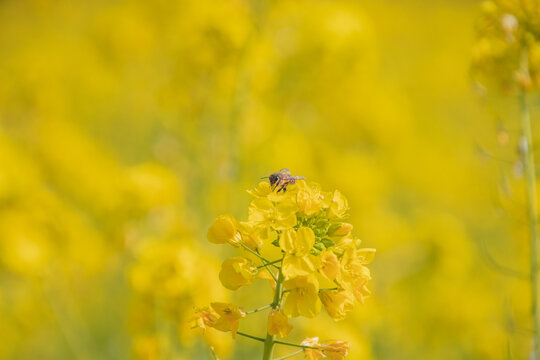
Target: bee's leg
283, 188
279, 184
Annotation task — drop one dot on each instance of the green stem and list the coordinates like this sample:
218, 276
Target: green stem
249, 336
271, 339
290, 355
212, 352
295, 345
258, 309
265, 262
254, 253
277, 341
530, 185
269, 263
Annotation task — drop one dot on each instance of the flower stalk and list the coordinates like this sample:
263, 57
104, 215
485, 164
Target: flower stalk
277, 342
271, 339
532, 210
258, 309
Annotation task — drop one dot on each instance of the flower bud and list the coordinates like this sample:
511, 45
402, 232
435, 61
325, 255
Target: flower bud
340, 229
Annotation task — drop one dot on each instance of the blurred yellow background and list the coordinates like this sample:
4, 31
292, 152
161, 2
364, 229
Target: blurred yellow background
127, 126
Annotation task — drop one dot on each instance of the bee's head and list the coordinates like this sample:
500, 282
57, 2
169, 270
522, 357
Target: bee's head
273, 178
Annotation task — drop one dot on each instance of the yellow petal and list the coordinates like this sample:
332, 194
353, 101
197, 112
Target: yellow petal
224, 230
290, 308
329, 265
309, 305
338, 206
253, 236
278, 324
286, 207
302, 298
237, 272
299, 242
230, 317
335, 350
294, 266
305, 240
262, 190
312, 354
287, 240
337, 302
365, 255
309, 198
287, 222
260, 210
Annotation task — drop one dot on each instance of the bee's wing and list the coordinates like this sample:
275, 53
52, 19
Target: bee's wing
285, 171
298, 177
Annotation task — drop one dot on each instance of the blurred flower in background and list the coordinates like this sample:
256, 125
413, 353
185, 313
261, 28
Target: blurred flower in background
508, 48
127, 126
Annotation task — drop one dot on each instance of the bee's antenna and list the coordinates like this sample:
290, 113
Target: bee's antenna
266, 177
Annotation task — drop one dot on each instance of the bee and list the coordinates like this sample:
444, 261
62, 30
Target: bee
282, 179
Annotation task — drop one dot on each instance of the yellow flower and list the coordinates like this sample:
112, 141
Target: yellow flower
224, 230
204, 317
336, 350
297, 244
354, 276
329, 265
278, 324
302, 298
230, 316
359, 284
337, 302
262, 212
254, 236
237, 272
346, 243
338, 206
309, 198
262, 190
312, 354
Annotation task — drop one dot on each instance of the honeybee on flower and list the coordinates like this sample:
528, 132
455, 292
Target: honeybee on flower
282, 179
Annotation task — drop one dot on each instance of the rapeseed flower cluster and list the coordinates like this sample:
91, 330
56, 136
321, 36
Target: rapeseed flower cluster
321, 263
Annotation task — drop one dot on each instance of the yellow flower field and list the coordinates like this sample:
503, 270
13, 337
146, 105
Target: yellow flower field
139, 218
